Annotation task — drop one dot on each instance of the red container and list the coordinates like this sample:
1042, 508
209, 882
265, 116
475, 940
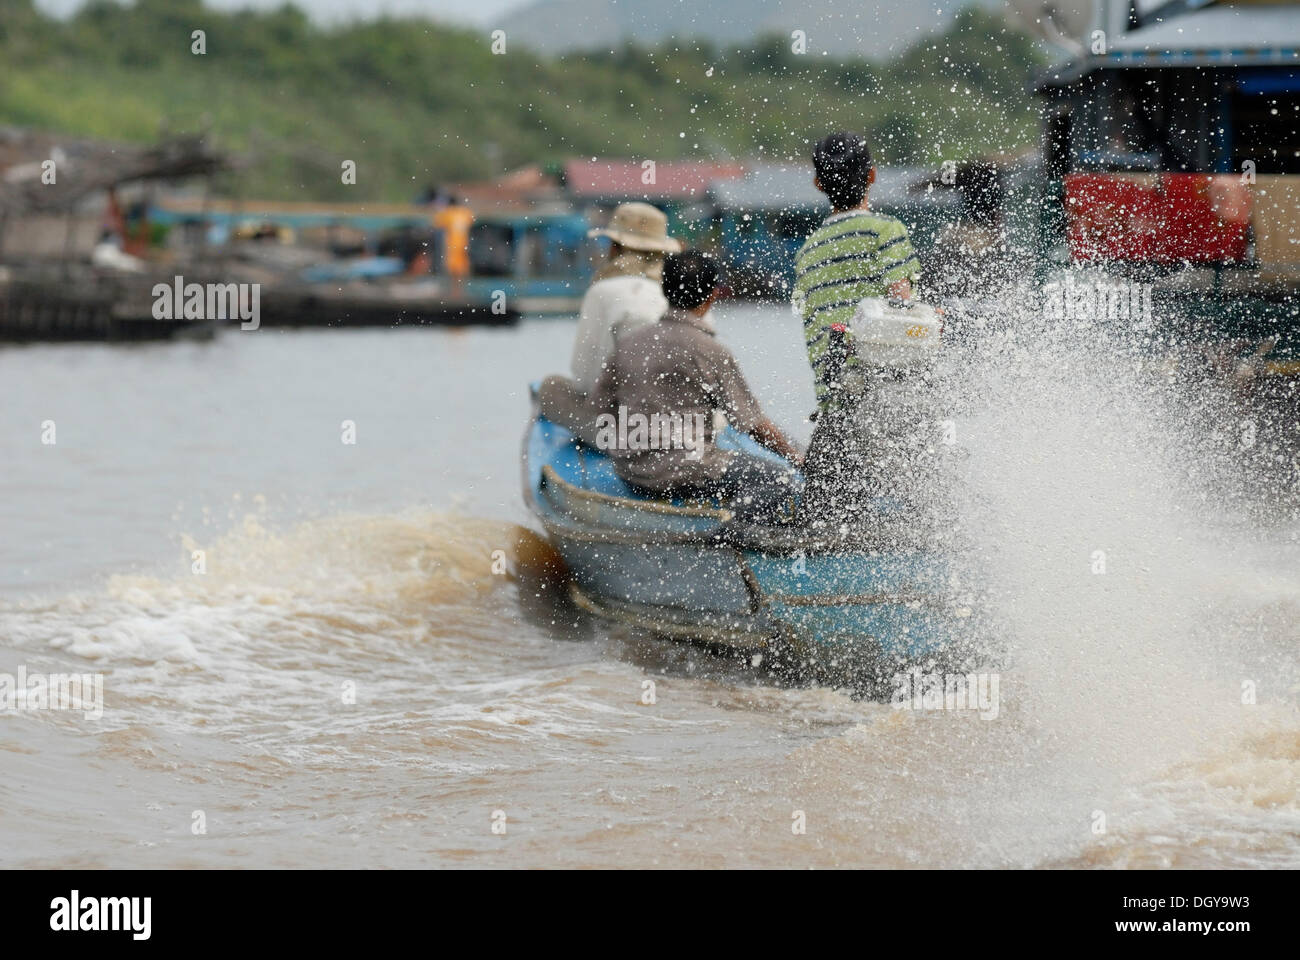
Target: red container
1157, 217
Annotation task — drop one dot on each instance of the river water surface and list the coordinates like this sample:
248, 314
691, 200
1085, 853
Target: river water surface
346, 682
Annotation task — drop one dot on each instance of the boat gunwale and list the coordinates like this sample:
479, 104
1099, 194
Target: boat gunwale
560, 525
551, 475
593, 534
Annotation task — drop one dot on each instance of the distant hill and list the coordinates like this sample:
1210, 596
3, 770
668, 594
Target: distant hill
413, 103
875, 30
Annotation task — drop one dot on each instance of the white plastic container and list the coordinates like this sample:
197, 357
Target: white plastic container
895, 337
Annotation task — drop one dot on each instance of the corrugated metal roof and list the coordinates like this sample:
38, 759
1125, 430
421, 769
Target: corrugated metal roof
769, 187
1230, 29
1222, 35
790, 187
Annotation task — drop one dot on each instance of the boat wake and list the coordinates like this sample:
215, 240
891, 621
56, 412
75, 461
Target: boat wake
266, 617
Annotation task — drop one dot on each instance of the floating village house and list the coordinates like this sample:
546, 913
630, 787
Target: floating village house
1172, 145
58, 193
58, 197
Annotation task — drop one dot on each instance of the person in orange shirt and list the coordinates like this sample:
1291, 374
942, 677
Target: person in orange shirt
454, 220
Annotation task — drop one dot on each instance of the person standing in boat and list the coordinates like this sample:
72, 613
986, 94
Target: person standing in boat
675, 371
626, 293
856, 253
454, 221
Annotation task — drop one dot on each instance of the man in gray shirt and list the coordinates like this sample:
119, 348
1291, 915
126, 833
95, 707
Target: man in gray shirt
656, 397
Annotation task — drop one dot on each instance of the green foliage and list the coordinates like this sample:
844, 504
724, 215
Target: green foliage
413, 102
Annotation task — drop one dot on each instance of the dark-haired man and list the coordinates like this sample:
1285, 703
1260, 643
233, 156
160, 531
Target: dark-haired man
854, 255
675, 372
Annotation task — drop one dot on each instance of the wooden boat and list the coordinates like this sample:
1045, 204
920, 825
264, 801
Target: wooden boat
690, 570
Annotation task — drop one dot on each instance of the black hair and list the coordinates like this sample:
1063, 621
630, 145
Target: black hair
843, 164
690, 277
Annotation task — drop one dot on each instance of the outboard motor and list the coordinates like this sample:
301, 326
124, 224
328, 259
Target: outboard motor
874, 448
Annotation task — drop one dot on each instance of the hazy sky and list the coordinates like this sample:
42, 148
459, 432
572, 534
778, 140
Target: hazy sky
482, 12
469, 11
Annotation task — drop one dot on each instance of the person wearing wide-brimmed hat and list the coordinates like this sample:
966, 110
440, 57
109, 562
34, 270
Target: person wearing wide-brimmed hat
626, 293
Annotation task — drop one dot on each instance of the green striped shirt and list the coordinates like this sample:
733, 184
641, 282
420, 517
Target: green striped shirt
851, 256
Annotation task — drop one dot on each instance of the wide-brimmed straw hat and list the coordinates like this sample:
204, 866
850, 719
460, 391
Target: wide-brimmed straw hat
639, 226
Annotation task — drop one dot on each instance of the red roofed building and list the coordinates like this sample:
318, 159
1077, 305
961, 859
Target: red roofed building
675, 182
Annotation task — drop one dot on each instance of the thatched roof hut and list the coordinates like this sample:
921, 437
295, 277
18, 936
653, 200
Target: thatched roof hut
82, 167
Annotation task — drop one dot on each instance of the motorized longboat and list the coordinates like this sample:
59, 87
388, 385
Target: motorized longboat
847, 610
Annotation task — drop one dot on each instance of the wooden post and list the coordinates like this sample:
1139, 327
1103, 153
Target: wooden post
68, 234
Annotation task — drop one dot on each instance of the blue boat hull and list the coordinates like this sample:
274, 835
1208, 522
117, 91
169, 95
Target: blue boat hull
690, 570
